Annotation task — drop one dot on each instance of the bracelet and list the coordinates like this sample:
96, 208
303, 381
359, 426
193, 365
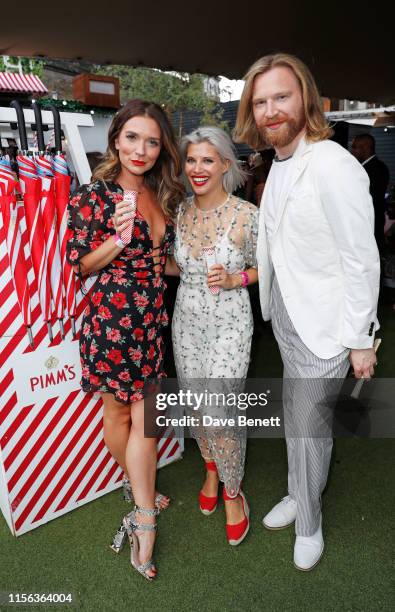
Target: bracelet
244, 279
119, 242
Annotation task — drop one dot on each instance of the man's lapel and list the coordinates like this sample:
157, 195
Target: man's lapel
299, 162
262, 240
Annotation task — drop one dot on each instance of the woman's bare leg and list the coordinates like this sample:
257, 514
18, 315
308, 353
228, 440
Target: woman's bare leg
117, 422
234, 511
116, 426
141, 460
210, 486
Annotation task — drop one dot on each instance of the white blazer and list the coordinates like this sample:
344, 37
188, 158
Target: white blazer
323, 250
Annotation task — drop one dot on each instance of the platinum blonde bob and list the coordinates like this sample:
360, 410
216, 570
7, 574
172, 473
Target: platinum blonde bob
234, 177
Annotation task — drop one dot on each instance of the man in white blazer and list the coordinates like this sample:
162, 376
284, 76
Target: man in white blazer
319, 272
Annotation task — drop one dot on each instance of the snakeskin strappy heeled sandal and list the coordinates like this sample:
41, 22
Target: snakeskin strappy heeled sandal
132, 526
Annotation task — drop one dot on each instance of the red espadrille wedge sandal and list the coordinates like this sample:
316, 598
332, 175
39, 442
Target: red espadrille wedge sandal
237, 533
208, 505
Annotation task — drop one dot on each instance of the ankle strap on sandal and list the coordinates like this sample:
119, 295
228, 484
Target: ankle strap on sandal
132, 526
211, 466
146, 511
130, 523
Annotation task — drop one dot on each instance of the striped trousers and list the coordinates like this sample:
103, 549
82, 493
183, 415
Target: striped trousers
310, 389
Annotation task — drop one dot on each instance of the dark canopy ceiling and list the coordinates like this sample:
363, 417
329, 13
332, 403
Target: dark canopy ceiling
348, 45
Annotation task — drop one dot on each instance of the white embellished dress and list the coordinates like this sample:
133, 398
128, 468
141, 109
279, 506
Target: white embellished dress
212, 333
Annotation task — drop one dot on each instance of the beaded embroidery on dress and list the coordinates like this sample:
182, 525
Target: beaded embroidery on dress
212, 333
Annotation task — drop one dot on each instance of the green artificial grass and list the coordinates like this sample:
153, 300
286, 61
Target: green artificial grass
197, 569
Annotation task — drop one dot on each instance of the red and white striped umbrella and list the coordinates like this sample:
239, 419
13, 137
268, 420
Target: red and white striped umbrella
62, 194
12, 213
30, 187
48, 212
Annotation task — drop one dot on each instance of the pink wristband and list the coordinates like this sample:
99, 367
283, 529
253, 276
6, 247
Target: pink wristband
244, 279
119, 242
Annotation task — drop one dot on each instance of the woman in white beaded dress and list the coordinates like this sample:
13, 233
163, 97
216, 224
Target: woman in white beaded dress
212, 328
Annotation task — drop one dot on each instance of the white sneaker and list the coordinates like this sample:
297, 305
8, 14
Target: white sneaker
308, 550
282, 515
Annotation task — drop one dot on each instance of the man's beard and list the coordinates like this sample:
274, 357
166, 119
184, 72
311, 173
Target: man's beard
286, 133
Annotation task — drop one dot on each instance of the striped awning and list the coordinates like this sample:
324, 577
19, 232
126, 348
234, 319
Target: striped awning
23, 83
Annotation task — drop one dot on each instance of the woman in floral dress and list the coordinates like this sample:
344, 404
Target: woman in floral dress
121, 342
212, 322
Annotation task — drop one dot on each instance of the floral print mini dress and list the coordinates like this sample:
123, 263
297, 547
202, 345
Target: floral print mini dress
121, 344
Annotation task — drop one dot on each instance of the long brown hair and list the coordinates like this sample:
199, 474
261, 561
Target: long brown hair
164, 176
317, 127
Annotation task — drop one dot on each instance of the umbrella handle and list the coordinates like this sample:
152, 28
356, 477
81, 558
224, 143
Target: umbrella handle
57, 128
21, 124
39, 127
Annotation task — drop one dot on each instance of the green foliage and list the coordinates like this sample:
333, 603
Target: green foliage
213, 114
29, 66
173, 91
33, 66
74, 106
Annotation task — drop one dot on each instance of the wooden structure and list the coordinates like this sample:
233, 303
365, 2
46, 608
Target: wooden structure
97, 90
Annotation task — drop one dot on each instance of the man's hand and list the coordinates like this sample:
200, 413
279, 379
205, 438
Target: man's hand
363, 362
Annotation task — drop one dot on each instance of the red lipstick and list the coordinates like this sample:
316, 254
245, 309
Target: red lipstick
138, 162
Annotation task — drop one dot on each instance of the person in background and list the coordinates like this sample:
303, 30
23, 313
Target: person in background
364, 149
259, 164
242, 162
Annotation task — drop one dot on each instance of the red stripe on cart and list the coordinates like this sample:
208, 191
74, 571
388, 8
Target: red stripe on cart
38, 494
35, 474
17, 422
4, 264
61, 460
8, 407
87, 465
96, 474
7, 380
106, 480
9, 319
7, 291
165, 444
28, 434
18, 338
176, 446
